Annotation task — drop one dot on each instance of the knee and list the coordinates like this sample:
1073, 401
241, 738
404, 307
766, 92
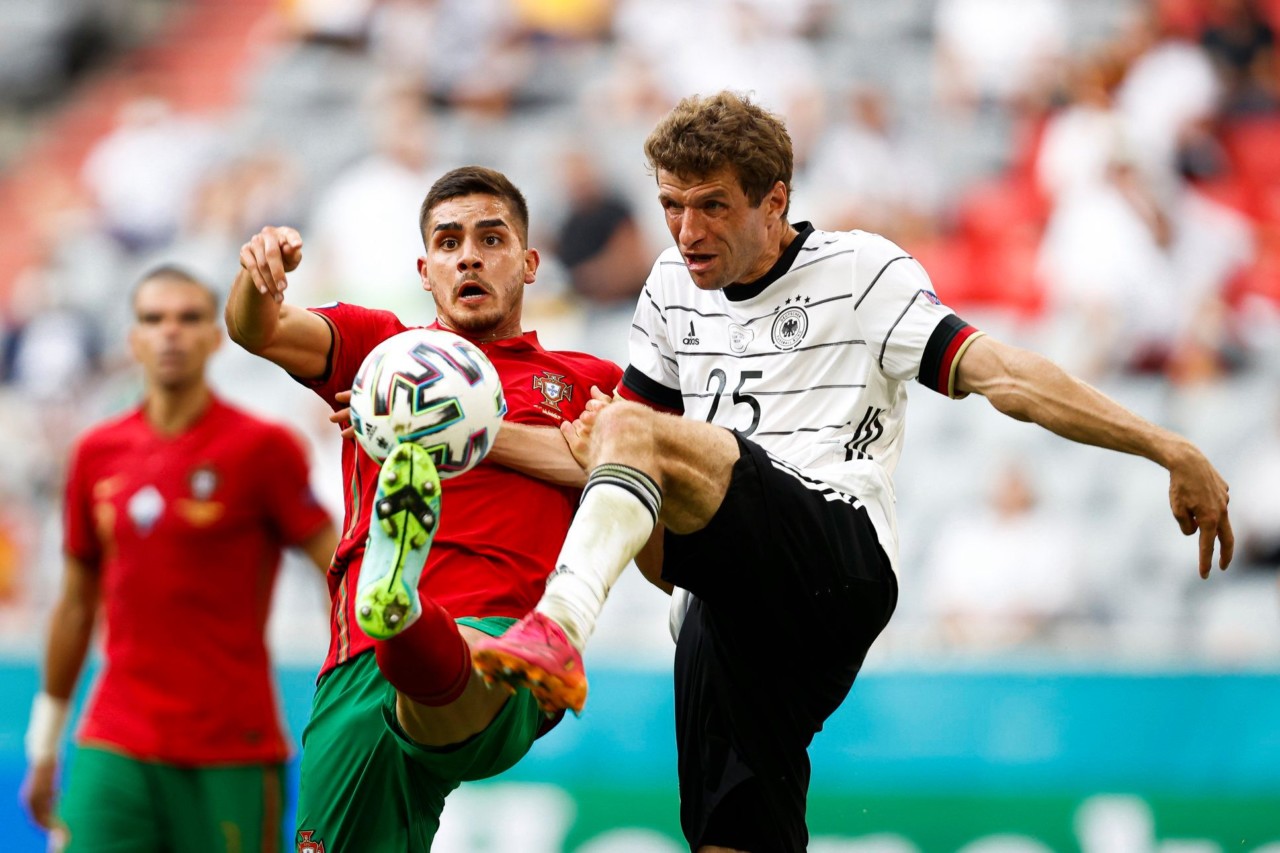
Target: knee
625, 422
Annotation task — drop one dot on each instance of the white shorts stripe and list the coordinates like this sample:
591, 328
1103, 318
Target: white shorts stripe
825, 489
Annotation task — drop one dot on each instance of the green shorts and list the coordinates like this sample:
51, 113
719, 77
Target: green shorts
115, 803
364, 785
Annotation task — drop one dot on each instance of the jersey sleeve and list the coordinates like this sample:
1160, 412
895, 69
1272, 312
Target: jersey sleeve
908, 330
356, 330
290, 504
79, 538
652, 376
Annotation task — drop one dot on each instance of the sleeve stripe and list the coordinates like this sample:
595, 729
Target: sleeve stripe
639, 388
968, 336
858, 304
942, 353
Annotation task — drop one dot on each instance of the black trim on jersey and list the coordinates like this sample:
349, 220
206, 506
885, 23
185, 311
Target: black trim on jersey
652, 390
752, 289
936, 349
323, 378
877, 278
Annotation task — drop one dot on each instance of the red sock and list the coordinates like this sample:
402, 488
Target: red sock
428, 662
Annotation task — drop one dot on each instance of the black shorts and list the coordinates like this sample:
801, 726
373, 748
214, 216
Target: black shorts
791, 589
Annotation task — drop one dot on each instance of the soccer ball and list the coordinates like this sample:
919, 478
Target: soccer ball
431, 387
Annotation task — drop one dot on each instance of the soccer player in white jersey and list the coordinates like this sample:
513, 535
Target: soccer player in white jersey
786, 351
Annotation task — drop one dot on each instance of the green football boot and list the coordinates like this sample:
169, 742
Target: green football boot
405, 514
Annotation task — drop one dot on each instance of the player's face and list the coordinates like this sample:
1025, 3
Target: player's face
476, 266
723, 237
174, 332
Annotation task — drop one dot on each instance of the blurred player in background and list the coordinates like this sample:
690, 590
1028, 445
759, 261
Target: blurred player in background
787, 350
176, 514
401, 720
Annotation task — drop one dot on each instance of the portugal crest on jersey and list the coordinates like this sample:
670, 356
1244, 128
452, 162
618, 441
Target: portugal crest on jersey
306, 845
789, 328
554, 389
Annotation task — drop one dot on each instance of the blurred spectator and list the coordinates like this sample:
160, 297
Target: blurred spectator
235, 198
604, 252
1136, 280
47, 45
1136, 263
1003, 574
1082, 137
365, 227
143, 174
1002, 52
466, 54
341, 23
865, 175
1112, 286
1168, 98
563, 20
1242, 44
705, 47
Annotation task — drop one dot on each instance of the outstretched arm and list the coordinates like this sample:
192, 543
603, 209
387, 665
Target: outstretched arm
540, 452
257, 316
1029, 387
70, 630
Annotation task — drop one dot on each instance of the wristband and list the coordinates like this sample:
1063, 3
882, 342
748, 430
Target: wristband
44, 732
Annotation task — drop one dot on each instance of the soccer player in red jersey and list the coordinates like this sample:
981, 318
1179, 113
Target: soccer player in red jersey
397, 723
176, 514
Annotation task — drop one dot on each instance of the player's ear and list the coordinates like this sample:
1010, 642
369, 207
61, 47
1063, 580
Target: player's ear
422, 274
531, 261
776, 198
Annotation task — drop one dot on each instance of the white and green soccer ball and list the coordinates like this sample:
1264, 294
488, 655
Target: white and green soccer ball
431, 387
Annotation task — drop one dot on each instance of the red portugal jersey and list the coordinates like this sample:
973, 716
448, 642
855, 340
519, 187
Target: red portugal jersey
187, 533
500, 530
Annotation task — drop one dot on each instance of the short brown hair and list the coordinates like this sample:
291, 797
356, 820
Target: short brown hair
174, 273
476, 180
703, 135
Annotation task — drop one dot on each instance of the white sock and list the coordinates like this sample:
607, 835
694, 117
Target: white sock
615, 517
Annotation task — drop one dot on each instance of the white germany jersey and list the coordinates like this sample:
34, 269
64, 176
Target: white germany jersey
810, 362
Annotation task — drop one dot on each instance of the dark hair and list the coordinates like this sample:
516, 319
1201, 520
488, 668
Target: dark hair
703, 135
476, 180
179, 275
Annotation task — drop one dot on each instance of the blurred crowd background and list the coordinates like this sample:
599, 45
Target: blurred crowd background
1095, 179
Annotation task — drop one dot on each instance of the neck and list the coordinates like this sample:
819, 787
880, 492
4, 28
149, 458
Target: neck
513, 330
781, 235
173, 410
785, 236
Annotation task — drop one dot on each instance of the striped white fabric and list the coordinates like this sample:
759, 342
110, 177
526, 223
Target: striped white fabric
812, 367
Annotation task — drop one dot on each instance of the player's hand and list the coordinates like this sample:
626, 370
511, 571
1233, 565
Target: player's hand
342, 417
1198, 497
577, 434
268, 256
38, 793
599, 400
